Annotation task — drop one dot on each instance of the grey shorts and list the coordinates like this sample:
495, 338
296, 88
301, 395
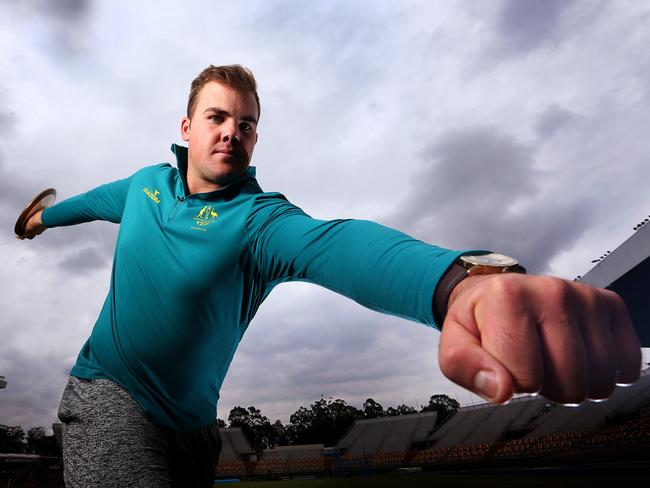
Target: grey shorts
109, 442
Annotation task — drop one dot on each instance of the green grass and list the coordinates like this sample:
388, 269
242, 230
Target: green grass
527, 479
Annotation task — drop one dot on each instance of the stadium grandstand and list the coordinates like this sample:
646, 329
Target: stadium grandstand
236, 453
486, 422
626, 270
528, 431
381, 442
370, 436
291, 460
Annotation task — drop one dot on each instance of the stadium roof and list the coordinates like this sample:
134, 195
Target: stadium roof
487, 422
626, 270
234, 443
591, 415
394, 433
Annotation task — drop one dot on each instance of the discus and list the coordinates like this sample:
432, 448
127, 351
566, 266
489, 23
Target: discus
43, 200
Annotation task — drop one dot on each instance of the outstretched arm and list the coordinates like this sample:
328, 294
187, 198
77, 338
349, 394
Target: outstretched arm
106, 202
381, 268
503, 334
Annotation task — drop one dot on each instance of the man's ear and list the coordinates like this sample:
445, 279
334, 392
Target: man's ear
185, 128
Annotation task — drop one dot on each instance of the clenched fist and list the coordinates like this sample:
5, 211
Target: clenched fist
515, 333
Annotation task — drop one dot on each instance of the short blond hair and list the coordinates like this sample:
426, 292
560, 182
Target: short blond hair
232, 75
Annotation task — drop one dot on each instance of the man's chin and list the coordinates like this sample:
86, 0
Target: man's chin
224, 178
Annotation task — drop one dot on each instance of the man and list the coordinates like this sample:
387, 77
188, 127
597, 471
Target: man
200, 246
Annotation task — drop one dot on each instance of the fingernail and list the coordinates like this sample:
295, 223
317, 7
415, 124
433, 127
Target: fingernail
597, 400
622, 383
485, 384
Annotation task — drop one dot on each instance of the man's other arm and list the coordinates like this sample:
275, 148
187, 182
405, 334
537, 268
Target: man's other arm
106, 202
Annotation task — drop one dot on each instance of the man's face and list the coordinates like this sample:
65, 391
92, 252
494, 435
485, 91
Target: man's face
221, 135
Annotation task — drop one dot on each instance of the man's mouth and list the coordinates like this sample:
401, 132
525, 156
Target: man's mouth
228, 148
228, 152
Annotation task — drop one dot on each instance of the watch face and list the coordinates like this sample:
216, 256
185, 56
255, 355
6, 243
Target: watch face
492, 259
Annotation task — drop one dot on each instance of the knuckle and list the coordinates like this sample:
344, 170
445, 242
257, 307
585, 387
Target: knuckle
556, 289
508, 286
615, 300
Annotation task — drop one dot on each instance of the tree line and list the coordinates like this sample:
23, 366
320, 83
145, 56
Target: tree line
323, 422
14, 440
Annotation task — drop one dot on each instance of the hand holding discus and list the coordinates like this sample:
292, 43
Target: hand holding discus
29, 223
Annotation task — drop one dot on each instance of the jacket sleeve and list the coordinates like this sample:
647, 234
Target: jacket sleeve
380, 268
106, 202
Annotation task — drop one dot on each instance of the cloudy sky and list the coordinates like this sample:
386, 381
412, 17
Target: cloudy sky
514, 125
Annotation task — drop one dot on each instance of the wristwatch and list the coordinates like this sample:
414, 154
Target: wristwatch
470, 265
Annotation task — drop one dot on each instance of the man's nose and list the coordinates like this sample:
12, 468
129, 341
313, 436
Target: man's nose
231, 134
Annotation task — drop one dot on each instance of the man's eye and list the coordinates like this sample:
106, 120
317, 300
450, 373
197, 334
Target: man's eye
245, 128
217, 119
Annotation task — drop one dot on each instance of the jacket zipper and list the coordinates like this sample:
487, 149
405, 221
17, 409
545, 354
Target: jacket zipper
171, 215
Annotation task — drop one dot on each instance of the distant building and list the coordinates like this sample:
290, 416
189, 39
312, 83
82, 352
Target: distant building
626, 270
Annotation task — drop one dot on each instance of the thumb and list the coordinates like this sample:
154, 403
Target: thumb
463, 360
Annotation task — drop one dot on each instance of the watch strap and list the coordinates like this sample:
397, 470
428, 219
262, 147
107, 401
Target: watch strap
454, 275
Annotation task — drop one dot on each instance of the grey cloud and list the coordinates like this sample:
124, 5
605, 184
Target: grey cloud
339, 42
469, 163
84, 259
526, 25
82, 247
14, 191
65, 23
7, 122
32, 394
519, 28
68, 10
552, 119
481, 189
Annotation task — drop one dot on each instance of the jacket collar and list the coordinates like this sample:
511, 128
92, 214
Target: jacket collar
181, 163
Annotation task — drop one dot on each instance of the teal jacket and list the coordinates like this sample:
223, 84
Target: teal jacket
190, 271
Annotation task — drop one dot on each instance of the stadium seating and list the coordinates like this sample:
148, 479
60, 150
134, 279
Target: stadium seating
529, 431
290, 460
228, 468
